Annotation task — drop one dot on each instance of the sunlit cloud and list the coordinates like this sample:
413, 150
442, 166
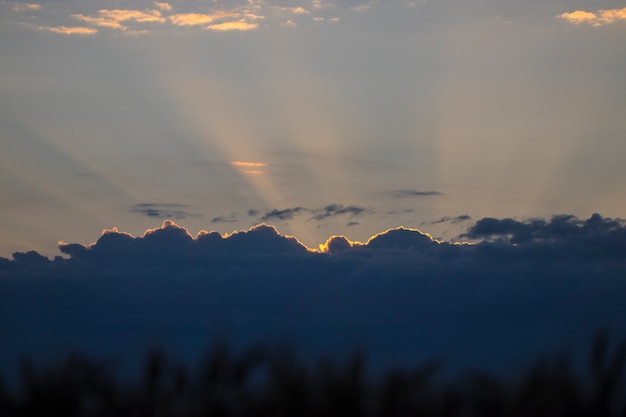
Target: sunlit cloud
20, 7
113, 19
240, 25
198, 19
100, 21
134, 15
364, 7
321, 4
252, 171
599, 18
292, 10
65, 30
248, 164
165, 7
216, 17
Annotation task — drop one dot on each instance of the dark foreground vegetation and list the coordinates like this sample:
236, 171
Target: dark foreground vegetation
272, 382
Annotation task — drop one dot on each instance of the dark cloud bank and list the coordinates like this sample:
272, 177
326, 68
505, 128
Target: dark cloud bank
527, 288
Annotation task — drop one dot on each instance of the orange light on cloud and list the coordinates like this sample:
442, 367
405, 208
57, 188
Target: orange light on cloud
599, 18
166, 7
240, 25
112, 18
20, 7
136, 15
100, 21
192, 19
252, 172
65, 30
248, 164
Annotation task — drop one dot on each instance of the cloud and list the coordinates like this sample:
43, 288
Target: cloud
172, 246
248, 164
231, 218
365, 6
164, 7
69, 30
249, 168
238, 25
113, 19
599, 18
213, 16
333, 210
198, 19
413, 193
597, 233
321, 4
524, 288
21, 7
291, 10
284, 214
453, 220
162, 211
252, 212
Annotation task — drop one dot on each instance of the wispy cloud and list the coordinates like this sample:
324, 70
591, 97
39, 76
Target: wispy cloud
162, 211
240, 25
166, 7
413, 193
231, 218
113, 19
199, 19
69, 30
333, 210
599, 18
453, 220
321, 4
291, 10
249, 168
248, 164
214, 16
284, 214
21, 7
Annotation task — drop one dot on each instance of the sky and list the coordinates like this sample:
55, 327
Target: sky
217, 114
422, 177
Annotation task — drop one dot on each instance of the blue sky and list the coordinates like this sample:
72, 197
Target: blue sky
498, 108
